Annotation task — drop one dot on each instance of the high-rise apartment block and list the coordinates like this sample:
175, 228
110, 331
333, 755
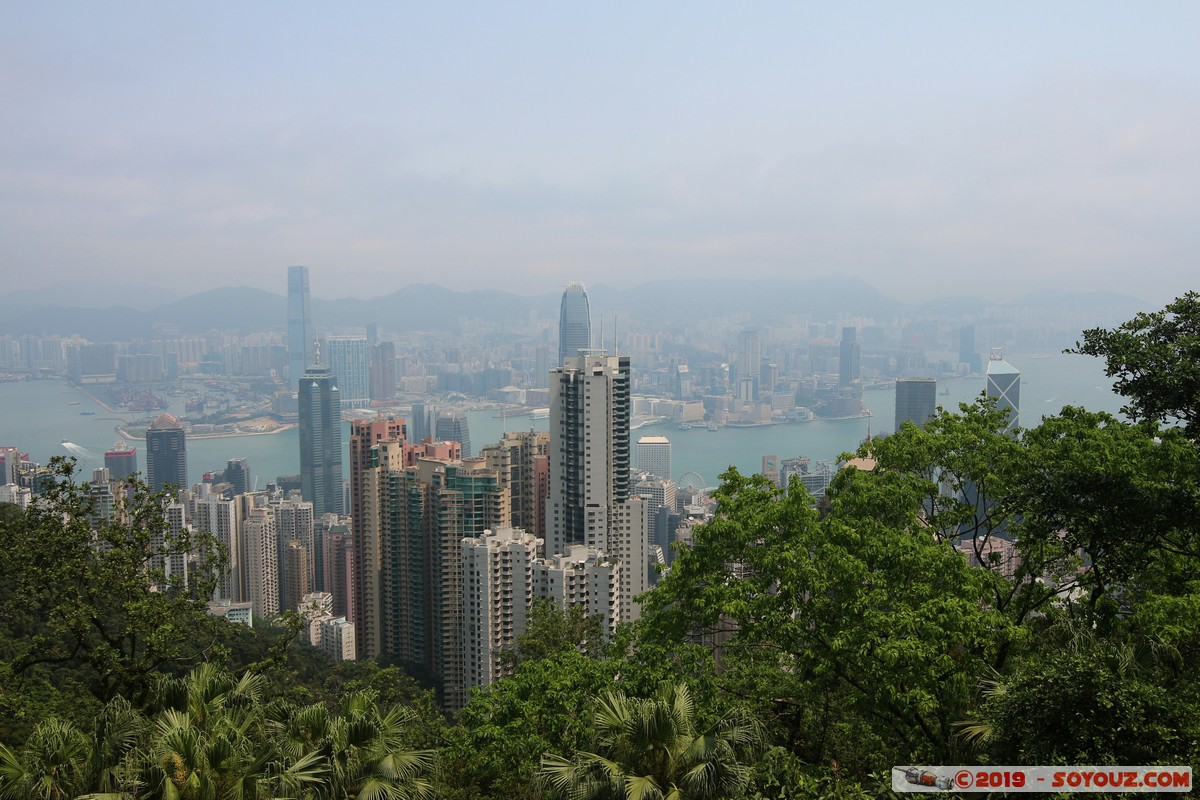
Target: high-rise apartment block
294, 582
574, 323
497, 580
300, 333
321, 441
522, 462
261, 560
916, 400
222, 517
349, 359
590, 502
166, 454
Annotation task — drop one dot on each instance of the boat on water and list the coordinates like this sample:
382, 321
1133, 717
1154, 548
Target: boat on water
73, 402
87, 413
685, 426
712, 427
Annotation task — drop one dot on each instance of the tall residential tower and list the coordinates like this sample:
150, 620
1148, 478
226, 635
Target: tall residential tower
590, 502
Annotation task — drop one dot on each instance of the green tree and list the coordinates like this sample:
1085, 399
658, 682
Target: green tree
652, 748
93, 595
551, 628
53, 765
495, 749
213, 736
1155, 358
866, 603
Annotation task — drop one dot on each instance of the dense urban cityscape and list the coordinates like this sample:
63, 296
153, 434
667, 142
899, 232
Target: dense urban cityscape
530, 401
585, 513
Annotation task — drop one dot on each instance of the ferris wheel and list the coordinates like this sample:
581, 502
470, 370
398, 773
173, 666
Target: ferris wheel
693, 481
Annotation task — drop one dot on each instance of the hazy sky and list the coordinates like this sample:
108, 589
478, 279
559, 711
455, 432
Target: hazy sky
928, 147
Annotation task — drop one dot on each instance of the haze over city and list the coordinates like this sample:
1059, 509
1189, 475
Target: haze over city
149, 150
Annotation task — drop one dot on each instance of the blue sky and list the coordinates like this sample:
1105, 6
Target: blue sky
930, 148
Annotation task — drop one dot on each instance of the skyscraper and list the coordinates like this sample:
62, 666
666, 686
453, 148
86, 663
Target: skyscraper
966, 348
383, 371
1004, 384
574, 323
453, 426
349, 360
749, 366
299, 324
521, 461
590, 503
916, 400
654, 455
237, 475
848, 357
121, 461
166, 454
321, 441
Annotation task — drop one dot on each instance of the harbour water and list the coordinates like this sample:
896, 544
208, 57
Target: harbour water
36, 416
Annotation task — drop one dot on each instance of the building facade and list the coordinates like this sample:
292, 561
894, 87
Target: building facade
654, 455
590, 502
1004, 385
301, 337
574, 323
349, 360
916, 400
166, 454
321, 441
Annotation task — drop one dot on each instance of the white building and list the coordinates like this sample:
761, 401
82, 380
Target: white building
17, 495
583, 576
590, 501
654, 455
237, 613
497, 580
262, 560
222, 518
337, 638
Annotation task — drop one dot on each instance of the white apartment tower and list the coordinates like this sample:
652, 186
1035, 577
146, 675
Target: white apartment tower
262, 561
497, 570
590, 502
222, 518
582, 576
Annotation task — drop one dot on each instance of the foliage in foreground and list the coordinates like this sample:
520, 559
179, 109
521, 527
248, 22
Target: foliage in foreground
214, 736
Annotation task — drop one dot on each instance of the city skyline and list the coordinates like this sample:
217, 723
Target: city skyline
931, 154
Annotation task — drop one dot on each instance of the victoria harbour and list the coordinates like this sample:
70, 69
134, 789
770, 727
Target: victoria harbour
40, 420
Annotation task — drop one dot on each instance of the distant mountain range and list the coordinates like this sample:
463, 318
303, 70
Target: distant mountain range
428, 307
